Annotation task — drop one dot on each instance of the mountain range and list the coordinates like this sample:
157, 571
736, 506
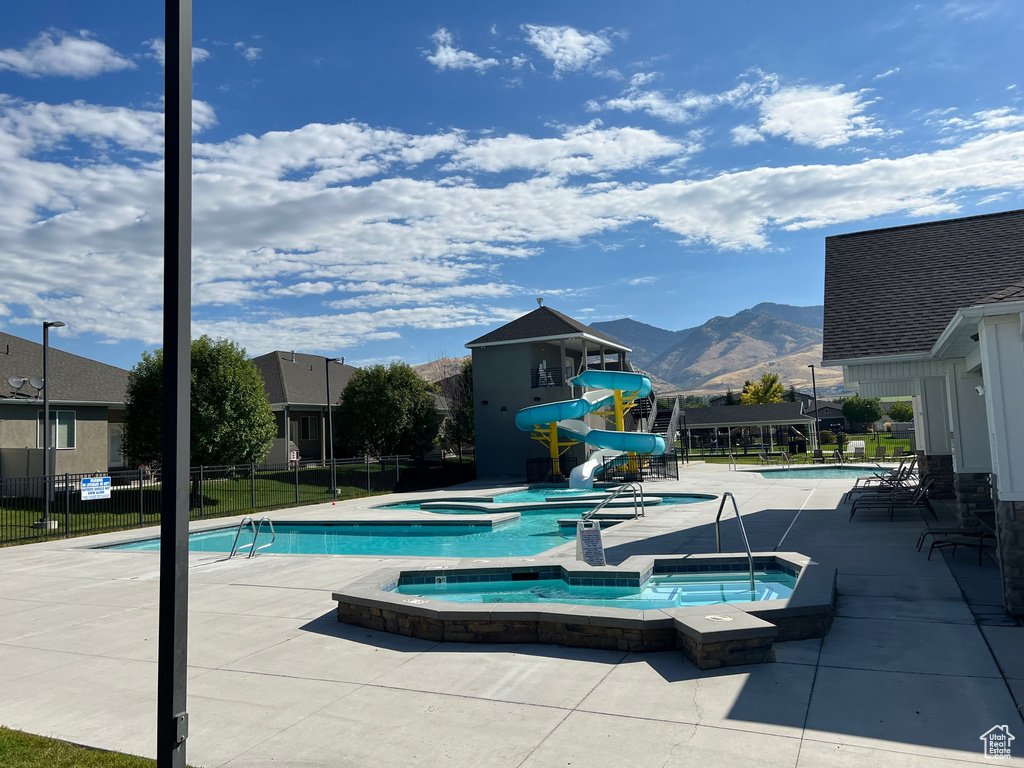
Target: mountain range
725, 352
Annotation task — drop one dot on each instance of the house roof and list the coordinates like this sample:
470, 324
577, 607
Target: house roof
544, 323
73, 379
294, 378
946, 265
745, 415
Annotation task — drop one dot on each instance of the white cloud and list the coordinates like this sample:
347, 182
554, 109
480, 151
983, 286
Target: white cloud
649, 280
686, 107
249, 53
745, 134
1000, 119
887, 73
817, 116
581, 150
55, 53
282, 217
569, 49
447, 56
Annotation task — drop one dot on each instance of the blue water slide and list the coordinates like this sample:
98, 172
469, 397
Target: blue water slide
569, 413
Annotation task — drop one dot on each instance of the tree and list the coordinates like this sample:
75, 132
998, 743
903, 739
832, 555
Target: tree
766, 390
791, 395
230, 417
386, 410
456, 387
730, 397
859, 410
901, 411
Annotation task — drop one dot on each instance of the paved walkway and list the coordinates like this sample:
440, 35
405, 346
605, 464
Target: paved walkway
920, 661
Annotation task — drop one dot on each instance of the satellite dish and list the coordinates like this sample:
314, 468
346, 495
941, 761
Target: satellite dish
17, 382
38, 382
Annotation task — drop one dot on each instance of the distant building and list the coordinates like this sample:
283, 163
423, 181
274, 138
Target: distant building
296, 385
86, 405
526, 362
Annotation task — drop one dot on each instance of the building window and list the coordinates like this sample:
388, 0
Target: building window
62, 429
309, 428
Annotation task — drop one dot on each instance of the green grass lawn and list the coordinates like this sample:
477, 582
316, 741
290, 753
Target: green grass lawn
25, 750
223, 494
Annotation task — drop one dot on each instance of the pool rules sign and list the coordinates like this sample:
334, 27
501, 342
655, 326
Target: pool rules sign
589, 547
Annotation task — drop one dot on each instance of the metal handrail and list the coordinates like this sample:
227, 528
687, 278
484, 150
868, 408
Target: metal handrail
235, 549
734, 466
634, 487
743, 531
273, 536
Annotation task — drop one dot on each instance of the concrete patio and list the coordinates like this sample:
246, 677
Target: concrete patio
920, 661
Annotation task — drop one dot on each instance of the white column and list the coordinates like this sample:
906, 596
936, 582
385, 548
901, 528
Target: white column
968, 419
931, 417
1002, 362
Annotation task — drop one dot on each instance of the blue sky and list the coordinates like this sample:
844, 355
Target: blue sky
391, 180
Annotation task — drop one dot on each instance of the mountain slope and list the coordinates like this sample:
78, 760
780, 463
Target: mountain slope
726, 351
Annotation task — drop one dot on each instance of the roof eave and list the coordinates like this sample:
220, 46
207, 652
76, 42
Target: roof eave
559, 337
912, 357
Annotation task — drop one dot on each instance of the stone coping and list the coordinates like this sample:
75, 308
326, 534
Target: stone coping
710, 635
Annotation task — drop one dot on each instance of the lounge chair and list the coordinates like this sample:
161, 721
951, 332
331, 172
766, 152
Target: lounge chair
897, 498
764, 458
886, 479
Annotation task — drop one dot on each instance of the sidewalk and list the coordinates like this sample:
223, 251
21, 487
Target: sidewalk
919, 663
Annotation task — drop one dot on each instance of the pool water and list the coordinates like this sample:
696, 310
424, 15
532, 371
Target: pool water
670, 591
534, 532
823, 473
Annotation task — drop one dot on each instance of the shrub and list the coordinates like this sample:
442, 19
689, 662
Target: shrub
827, 436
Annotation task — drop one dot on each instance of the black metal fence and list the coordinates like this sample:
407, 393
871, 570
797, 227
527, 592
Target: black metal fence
214, 492
631, 468
548, 470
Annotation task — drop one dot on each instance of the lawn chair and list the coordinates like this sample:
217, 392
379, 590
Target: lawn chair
898, 452
835, 458
897, 498
879, 453
858, 454
764, 458
817, 457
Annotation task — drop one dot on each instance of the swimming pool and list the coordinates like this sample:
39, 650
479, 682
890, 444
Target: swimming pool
665, 591
535, 530
820, 473
531, 533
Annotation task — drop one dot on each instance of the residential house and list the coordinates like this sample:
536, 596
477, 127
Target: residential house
296, 386
86, 407
955, 345
829, 414
523, 363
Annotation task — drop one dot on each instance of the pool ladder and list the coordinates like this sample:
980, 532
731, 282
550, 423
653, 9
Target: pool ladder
255, 528
638, 500
743, 531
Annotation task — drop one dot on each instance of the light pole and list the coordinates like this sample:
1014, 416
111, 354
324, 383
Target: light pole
817, 421
330, 421
49, 464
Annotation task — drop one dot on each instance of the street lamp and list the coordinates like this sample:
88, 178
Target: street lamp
817, 421
49, 460
330, 421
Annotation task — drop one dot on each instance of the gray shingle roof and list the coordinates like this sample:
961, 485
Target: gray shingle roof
946, 265
303, 382
740, 415
73, 379
542, 323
